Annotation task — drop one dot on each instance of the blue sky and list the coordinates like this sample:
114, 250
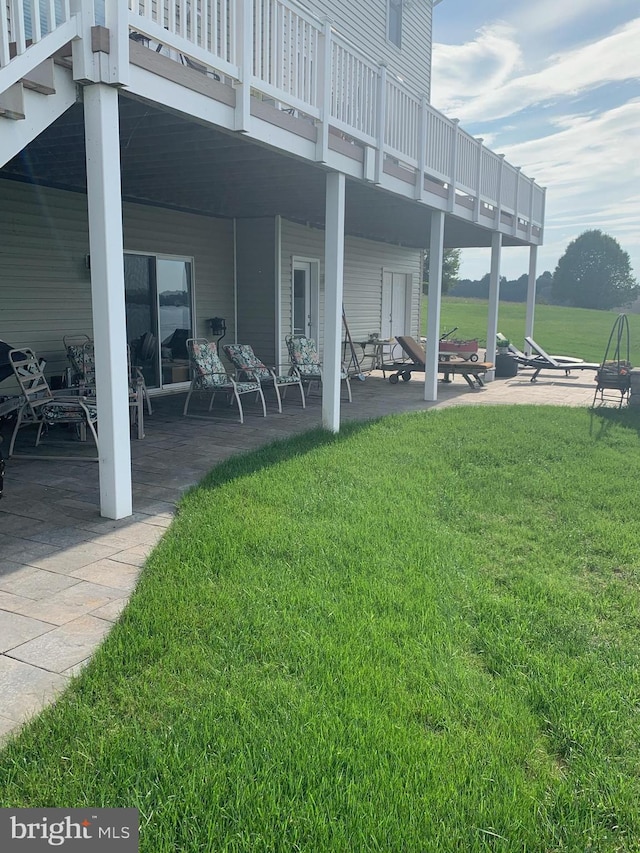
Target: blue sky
555, 86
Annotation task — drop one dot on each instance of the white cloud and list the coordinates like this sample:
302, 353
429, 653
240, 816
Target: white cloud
588, 160
476, 96
466, 71
545, 16
591, 167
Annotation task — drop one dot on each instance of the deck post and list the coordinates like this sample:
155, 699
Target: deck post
104, 202
244, 48
494, 299
436, 254
333, 286
531, 293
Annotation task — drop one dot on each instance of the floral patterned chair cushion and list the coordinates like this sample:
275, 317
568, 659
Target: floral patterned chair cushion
304, 357
83, 364
210, 373
247, 363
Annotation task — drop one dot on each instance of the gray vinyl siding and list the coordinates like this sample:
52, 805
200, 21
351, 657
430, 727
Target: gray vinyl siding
45, 287
365, 24
255, 271
364, 262
207, 241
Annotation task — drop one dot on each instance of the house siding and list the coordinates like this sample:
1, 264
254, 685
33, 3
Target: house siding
45, 287
365, 25
256, 277
364, 262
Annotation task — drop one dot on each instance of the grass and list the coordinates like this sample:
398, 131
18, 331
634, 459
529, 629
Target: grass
580, 332
420, 635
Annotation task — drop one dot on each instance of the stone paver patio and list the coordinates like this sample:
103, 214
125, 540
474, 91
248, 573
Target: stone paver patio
66, 573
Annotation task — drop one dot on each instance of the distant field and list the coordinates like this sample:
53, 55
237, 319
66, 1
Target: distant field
579, 332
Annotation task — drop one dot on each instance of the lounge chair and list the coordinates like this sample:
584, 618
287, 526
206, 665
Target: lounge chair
521, 356
249, 368
41, 407
209, 375
306, 364
543, 361
471, 371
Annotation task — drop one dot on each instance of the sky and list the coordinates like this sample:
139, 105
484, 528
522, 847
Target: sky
554, 85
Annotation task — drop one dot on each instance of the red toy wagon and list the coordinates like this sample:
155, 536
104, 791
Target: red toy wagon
453, 348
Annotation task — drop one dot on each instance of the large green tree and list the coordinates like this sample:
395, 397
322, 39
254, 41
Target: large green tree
450, 269
594, 272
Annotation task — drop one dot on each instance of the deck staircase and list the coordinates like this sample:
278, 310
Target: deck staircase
36, 86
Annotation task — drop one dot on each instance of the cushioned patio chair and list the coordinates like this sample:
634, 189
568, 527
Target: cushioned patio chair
41, 407
305, 362
208, 374
249, 367
82, 359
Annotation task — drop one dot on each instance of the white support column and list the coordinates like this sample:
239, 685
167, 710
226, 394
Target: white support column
494, 299
333, 284
531, 291
107, 293
436, 254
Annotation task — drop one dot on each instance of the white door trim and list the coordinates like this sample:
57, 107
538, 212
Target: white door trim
312, 295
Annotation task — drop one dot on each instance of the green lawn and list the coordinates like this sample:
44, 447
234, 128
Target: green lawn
580, 332
420, 636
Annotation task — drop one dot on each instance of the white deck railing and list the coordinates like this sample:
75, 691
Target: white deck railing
286, 54
24, 24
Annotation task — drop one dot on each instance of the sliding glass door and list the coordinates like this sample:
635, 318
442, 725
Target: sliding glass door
158, 300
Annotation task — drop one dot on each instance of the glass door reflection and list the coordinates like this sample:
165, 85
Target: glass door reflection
173, 277
158, 302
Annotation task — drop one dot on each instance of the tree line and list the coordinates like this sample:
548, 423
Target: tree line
593, 272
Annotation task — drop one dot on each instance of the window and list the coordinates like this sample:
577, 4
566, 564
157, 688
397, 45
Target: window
395, 22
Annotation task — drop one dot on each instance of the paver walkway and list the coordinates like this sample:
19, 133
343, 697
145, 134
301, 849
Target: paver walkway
66, 573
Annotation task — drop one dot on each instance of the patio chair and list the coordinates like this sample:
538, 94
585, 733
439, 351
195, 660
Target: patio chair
249, 367
41, 407
543, 361
208, 374
523, 357
471, 371
81, 356
306, 364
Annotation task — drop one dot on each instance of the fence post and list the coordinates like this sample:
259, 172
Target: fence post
453, 167
381, 109
114, 65
531, 197
244, 35
499, 199
478, 204
516, 201
325, 86
542, 213
83, 57
422, 148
